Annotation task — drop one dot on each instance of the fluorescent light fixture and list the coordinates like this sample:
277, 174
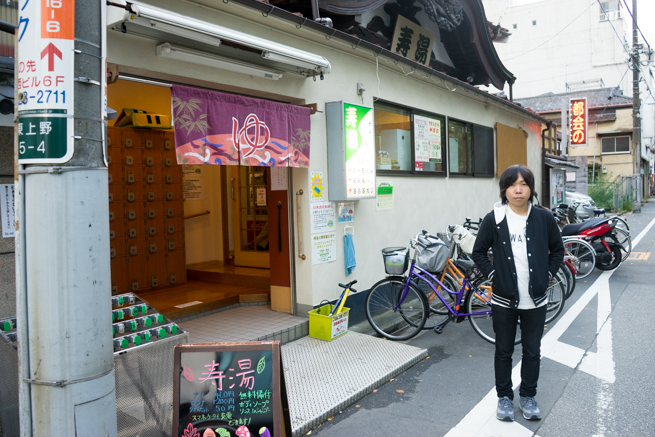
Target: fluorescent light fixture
179, 31
294, 62
173, 23
209, 60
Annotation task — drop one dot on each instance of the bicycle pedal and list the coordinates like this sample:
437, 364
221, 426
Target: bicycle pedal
438, 329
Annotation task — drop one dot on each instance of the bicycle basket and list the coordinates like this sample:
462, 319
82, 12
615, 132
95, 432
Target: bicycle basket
434, 256
395, 260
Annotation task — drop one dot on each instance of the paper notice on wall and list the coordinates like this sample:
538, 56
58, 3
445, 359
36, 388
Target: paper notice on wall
192, 183
346, 212
384, 195
570, 176
279, 178
316, 185
427, 140
324, 248
322, 217
7, 212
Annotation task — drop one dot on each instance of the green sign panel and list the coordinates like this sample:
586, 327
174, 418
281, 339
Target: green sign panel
42, 139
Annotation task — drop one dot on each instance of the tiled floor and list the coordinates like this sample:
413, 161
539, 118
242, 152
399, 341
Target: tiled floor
245, 323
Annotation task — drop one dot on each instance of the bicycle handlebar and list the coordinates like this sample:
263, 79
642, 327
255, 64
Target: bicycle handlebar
349, 285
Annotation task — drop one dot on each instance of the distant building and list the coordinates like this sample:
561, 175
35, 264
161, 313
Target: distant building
563, 45
609, 148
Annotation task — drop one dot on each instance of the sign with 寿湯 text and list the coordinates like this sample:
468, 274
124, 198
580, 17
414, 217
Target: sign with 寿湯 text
412, 41
228, 389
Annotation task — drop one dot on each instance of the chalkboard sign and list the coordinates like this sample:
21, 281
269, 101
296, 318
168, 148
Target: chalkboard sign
228, 389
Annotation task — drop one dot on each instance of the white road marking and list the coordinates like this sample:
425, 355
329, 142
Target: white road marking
481, 420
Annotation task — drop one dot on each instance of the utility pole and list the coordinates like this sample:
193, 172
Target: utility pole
67, 385
636, 120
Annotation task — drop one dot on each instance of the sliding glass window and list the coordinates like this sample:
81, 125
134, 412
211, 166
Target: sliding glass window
470, 149
408, 141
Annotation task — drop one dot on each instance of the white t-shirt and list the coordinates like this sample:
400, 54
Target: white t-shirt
517, 224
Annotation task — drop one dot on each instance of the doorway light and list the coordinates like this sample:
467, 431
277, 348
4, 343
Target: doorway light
208, 60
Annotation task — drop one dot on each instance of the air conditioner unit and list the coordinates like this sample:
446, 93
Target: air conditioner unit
604, 169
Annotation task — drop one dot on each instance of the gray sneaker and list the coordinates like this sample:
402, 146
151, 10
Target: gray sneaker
505, 410
529, 407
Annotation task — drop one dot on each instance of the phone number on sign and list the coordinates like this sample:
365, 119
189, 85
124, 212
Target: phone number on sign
46, 96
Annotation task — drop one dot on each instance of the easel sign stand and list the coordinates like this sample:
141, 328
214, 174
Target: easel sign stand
229, 389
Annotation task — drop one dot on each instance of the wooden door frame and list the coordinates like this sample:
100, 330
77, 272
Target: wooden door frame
225, 215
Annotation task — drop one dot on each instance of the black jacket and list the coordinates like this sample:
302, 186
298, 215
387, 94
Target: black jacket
544, 247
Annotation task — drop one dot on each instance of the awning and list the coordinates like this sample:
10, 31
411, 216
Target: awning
559, 164
227, 129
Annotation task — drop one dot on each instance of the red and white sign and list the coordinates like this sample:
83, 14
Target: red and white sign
339, 324
578, 122
45, 80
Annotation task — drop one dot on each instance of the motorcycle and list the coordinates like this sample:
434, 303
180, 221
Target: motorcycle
601, 234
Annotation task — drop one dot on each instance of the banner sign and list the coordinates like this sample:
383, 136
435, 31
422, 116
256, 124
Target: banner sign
227, 129
45, 82
578, 122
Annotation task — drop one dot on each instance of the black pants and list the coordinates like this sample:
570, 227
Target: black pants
505, 322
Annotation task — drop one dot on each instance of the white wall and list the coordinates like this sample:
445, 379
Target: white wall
420, 203
569, 43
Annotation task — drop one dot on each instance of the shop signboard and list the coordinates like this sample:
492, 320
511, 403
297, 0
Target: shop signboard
45, 81
351, 151
412, 41
228, 389
578, 122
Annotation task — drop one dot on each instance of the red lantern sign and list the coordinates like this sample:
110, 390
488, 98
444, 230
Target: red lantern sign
578, 122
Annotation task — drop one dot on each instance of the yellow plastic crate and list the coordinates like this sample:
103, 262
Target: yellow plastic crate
324, 327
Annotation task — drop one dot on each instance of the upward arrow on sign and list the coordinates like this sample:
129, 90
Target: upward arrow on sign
52, 51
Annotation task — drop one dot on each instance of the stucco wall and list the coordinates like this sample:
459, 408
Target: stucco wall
420, 203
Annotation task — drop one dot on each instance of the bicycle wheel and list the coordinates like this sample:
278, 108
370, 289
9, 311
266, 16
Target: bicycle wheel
400, 323
624, 240
438, 312
571, 281
556, 292
478, 300
582, 256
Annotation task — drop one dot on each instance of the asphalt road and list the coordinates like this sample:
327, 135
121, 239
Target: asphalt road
597, 371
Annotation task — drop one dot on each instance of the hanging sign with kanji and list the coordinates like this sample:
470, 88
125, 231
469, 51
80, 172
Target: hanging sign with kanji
46, 43
578, 122
412, 41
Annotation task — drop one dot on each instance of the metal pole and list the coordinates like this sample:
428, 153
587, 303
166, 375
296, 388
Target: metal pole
636, 120
66, 260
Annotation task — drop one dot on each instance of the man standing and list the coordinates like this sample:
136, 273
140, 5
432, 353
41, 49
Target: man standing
527, 252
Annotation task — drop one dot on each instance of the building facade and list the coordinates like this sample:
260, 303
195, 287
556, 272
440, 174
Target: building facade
453, 179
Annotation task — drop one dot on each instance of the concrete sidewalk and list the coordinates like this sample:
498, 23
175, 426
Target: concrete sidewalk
323, 377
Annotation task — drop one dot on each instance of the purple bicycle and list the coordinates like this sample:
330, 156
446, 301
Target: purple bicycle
397, 309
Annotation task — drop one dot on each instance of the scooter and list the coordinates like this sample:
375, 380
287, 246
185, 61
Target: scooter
601, 235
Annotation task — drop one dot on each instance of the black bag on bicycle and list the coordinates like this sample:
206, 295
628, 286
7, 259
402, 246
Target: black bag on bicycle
434, 256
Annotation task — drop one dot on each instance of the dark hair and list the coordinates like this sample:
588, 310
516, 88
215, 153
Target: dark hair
510, 175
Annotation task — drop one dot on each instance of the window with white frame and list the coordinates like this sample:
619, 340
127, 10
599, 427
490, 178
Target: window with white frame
610, 145
610, 10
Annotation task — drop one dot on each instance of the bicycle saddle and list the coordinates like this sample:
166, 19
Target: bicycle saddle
576, 228
465, 265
